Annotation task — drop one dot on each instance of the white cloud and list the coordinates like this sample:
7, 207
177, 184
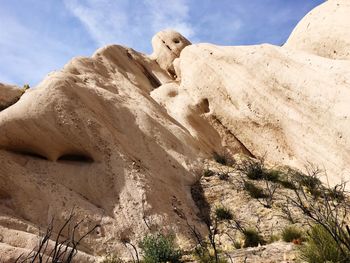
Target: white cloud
26, 55
170, 14
124, 22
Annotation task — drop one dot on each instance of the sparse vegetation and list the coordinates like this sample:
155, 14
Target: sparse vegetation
272, 175
112, 259
25, 88
160, 248
223, 159
204, 256
287, 212
273, 238
65, 246
252, 238
253, 169
302, 192
322, 247
253, 190
237, 244
327, 212
336, 193
223, 213
286, 182
292, 234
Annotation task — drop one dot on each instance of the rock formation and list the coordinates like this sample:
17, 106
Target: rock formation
9, 94
120, 137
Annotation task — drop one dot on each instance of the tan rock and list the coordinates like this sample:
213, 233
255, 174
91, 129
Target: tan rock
167, 46
283, 104
9, 94
91, 137
325, 31
118, 139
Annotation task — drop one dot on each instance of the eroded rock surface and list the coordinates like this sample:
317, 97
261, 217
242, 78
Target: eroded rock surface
120, 136
9, 94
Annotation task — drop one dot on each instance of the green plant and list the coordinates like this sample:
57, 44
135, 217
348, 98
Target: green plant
335, 193
291, 234
223, 213
287, 183
160, 248
328, 213
112, 259
273, 238
321, 247
253, 190
237, 244
252, 238
310, 180
208, 173
272, 175
254, 170
204, 256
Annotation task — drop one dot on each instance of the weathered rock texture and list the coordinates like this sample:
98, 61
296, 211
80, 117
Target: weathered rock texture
120, 136
9, 94
91, 137
289, 104
325, 31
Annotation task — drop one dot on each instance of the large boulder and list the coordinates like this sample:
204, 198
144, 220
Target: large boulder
9, 94
120, 140
90, 138
325, 31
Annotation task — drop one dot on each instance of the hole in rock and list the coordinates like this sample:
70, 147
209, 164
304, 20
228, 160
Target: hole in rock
76, 158
176, 41
172, 93
28, 153
204, 106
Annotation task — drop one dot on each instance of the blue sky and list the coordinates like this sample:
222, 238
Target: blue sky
40, 36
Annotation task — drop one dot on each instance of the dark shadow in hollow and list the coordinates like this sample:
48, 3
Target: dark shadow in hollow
83, 158
28, 153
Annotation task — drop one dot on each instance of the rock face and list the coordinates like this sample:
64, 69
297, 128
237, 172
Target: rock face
289, 104
120, 136
9, 94
91, 137
167, 46
325, 31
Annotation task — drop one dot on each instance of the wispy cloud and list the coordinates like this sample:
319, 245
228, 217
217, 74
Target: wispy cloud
32, 46
124, 22
22, 54
37, 37
171, 14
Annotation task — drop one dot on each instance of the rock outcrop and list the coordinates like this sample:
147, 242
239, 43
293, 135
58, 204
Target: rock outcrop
288, 104
90, 137
325, 31
167, 46
120, 137
9, 94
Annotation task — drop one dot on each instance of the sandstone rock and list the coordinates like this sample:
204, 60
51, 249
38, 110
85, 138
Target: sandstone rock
167, 46
91, 137
325, 31
9, 94
286, 105
121, 140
